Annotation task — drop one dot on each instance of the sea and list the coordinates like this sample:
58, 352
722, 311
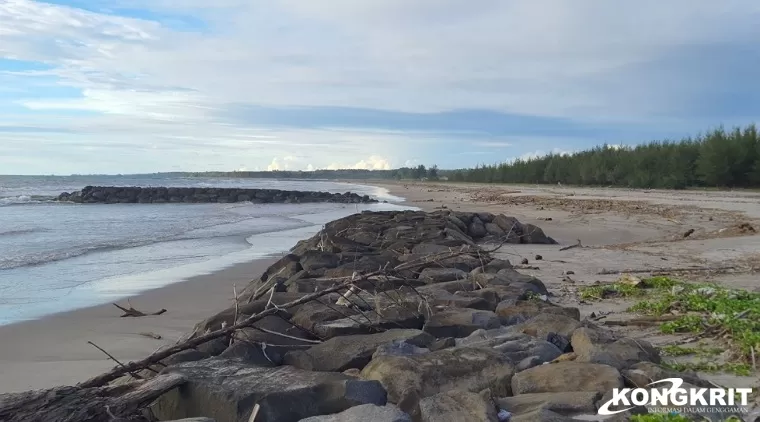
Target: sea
56, 257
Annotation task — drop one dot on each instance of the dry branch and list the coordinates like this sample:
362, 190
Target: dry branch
132, 312
577, 245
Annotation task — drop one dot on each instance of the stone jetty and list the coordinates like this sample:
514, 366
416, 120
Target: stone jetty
163, 195
419, 321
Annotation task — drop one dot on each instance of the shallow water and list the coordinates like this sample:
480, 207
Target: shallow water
56, 257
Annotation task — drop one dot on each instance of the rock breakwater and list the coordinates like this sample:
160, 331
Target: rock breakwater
162, 195
423, 324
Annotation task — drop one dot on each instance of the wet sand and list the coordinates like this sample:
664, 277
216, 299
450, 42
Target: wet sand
54, 351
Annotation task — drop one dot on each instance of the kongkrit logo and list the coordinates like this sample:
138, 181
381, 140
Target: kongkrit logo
675, 396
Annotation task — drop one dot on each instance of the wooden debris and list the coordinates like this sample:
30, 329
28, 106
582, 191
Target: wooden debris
577, 245
94, 404
151, 335
132, 312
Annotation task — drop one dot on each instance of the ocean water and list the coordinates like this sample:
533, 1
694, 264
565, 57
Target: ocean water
56, 257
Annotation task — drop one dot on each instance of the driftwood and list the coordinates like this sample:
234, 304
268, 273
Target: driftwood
132, 312
643, 321
343, 283
95, 404
577, 245
666, 270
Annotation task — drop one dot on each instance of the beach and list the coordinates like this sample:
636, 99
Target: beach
619, 229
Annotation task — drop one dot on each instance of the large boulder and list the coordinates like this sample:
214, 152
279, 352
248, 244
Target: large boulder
439, 275
567, 376
534, 235
515, 346
517, 311
460, 322
313, 260
542, 325
365, 412
543, 406
411, 378
227, 390
598, 346
371, 322
341, 353
458, 406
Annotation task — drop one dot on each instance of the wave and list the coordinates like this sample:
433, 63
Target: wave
60, 255
18, 232
25, 199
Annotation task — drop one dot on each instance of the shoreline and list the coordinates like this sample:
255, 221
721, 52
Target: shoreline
54, 350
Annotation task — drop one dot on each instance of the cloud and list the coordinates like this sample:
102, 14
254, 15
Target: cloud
372, 163
198, 85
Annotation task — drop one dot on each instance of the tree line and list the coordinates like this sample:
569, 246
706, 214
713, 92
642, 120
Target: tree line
719, 158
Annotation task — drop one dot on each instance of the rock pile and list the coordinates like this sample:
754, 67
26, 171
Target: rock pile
162, 195
458, 336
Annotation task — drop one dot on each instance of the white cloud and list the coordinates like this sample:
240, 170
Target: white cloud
151, 89
374, 162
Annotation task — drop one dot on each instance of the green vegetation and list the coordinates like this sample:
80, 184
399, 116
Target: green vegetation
718, 159
706, 310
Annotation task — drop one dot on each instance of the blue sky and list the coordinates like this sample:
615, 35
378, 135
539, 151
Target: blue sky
95, 86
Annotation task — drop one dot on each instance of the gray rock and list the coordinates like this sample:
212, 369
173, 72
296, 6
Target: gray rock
365, 412
227, 391
314, 260
494, 230
460, 322
514, 345
550, 406
528, 363
567, 376
388, 318
440, 275
496, 265
411, 378
458, 406
399, 348
534, 235
598, 346
476, 228
541, 325
516, 311
355, 351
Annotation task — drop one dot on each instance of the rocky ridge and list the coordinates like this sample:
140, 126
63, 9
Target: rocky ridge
161, 195
461, 337
441, 331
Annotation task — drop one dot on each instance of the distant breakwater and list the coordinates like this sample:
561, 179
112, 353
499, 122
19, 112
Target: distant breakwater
168, 195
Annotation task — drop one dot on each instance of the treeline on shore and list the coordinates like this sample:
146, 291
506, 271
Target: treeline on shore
719, 158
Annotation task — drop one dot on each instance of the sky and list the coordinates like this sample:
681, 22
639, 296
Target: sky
118, 86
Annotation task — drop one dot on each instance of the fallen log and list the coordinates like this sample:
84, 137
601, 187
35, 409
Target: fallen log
577, 245
87, 404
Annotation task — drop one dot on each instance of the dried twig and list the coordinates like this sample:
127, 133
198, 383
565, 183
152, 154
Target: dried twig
134, 375
577, 245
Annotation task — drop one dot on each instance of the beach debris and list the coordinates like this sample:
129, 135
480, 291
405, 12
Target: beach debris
688, 233
577, 245
95, 404
132, 312
538, 257
151, 335
524, 261
569, 272
504, 416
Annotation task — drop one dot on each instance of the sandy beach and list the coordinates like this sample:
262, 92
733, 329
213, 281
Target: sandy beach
54, 351
619, 229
